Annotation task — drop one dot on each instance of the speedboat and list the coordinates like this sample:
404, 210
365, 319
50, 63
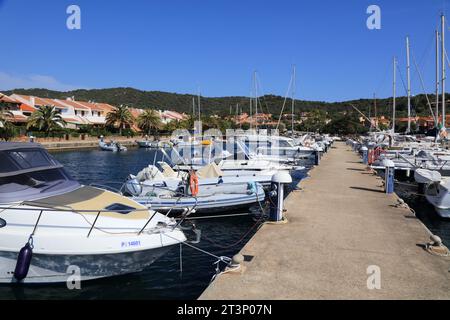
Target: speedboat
51, 225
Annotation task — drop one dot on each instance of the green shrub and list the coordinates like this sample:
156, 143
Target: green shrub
8, 132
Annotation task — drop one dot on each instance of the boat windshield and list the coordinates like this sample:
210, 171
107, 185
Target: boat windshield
28, 174
24, 159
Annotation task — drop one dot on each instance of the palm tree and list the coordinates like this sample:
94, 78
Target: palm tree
7, 129
46, 119
121, 115
149, 121
4, 115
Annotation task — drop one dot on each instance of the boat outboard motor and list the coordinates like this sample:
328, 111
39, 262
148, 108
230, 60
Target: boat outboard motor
23, 261
132, 186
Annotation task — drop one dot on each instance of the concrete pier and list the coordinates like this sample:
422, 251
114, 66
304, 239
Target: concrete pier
340, 224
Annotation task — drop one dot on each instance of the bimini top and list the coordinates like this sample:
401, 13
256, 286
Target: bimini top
28, 172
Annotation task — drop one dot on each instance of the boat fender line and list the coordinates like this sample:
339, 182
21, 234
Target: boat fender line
24, 261
25, 254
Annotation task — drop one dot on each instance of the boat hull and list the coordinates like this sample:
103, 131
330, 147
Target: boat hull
210, 204
438, 195
49, 268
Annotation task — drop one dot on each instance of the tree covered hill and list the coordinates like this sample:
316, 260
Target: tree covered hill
222, 105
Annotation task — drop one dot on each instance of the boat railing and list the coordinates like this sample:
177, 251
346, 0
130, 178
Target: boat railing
42, 211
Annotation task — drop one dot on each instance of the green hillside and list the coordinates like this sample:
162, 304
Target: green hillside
221, 105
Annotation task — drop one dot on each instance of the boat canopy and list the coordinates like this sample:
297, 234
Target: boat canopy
210, 171
28, 171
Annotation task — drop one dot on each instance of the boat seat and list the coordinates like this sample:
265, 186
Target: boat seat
167, 170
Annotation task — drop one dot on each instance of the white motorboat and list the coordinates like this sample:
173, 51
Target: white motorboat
50, 225
436, 191
276, 146
152, 144
209, 198
208, 175
111, 146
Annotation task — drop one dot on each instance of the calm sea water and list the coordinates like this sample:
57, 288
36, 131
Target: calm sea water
163, 279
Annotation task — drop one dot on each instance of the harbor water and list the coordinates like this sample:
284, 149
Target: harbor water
424, 211
166, 278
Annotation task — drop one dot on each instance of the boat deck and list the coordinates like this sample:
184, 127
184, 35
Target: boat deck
340, 223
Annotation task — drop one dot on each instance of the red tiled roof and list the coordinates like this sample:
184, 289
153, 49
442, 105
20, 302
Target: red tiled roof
5, 98
37, 101
104, 106
18, 118
172, 115
24, 107
135, 112
75, 104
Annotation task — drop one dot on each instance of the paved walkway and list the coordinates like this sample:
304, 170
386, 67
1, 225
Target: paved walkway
339, 224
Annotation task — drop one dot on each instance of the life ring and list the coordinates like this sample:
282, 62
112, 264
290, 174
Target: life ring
193, 183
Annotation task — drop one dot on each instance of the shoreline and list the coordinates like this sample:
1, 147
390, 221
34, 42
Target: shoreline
82, 145
64, 145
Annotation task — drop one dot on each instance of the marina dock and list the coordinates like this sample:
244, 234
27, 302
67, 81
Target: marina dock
341, 223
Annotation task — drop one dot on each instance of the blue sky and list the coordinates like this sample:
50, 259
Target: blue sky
215, 45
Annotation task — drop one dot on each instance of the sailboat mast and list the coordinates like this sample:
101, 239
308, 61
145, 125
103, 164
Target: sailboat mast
293, 97
394, 93
437, 77
375, 108
408, 130
256, 100
199, 107
443, 68
251, 111
193, 107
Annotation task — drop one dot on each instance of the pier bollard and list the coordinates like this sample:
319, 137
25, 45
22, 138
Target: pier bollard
389, 173
317, 158
279, 180
365, 154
